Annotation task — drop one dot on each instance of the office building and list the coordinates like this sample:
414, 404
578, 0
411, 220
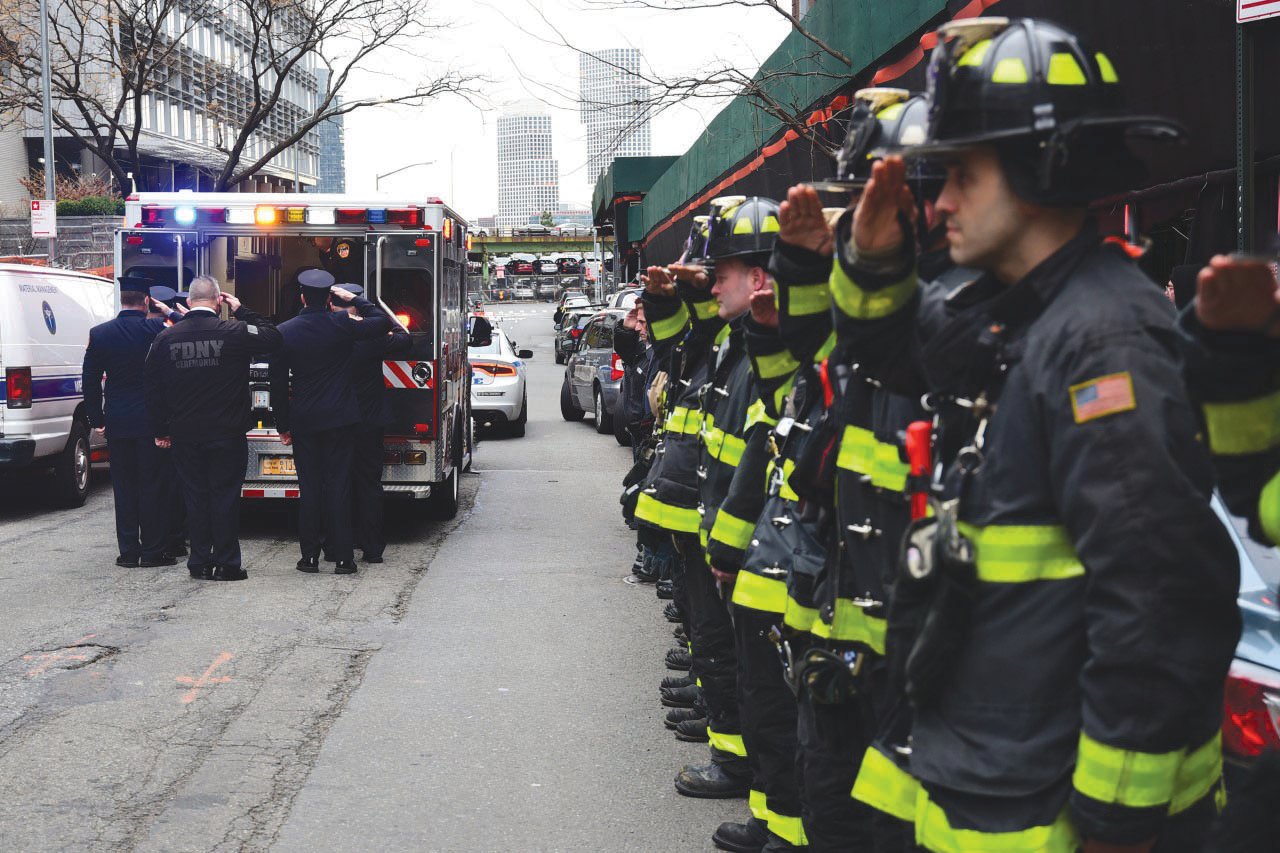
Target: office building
528, 174
614, 108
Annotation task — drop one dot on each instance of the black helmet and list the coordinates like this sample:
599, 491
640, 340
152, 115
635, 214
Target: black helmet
1025, 80
882, 119
695, 247
742, 227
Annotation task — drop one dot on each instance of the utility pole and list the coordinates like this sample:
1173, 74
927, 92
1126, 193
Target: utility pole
49, 165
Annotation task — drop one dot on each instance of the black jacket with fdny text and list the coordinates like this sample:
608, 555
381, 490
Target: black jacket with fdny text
197, 374
1105, 616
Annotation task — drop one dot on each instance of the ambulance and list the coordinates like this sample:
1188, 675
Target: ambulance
410, 255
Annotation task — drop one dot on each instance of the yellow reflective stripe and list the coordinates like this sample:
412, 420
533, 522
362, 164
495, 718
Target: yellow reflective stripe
798, 616
1269, 509
1065, 71
684, 421
789, 829
757, 414
1011, 69
862, 453
756, 803
670, 327
786, 492
727, 743
707, 310
861, 304
1249, 426
1146, 779
851, 624
934, 832
828, 346
885, 786
977, 53
704, 537
723, 447
760, 593
732, 531
775, 364
676, 519
780, 394
1015, 553
806, 299
1108, 70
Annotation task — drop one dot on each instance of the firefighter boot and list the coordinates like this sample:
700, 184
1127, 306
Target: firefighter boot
749, 837
679, 659
725, 777
681, 697
673, 681
676, 716
693, 731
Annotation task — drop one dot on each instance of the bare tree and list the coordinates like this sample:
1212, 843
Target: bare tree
243, 71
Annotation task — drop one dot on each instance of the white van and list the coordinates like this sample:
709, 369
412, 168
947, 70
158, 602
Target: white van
45, 317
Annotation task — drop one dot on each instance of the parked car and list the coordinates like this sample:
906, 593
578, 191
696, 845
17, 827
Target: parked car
625, 298
546, 266
573, 303
570, 330
569, 266
547, 289
523, 289
499, 397
593, 374
520, 266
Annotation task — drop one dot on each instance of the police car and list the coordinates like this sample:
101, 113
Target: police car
409, 254
498, 394
45, 317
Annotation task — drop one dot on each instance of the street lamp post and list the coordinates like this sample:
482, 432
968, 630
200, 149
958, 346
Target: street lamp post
49, 165
377, 179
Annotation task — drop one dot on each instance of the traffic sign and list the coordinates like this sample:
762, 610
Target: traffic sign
1248, 11
44, 217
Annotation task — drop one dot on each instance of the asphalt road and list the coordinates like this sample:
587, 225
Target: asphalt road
491, 687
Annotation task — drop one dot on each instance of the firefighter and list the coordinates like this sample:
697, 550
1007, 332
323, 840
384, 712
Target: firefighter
1074, 592
684, 325
1231, 338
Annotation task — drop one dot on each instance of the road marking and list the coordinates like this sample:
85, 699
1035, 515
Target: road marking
48, 659
204, 680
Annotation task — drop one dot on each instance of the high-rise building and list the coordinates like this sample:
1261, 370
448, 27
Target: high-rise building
614, 105
331, 140
528, 174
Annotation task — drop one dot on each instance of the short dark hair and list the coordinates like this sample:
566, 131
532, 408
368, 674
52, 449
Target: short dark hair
133, 298
320, 297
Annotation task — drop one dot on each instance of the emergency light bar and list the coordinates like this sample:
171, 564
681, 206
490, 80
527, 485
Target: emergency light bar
267, 215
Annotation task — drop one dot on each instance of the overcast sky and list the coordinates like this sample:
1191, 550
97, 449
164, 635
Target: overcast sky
509, 42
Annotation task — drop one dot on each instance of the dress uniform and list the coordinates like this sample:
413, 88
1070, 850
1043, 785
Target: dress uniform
375, 416
1079, 594
174, 513
313, 393
198, 397
117, 349
343, 258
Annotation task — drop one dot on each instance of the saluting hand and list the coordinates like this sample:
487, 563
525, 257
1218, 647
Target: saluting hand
164, 443
1238, 295
764, 310
694, 274
802, 223
342, 293
657, 282
231, 302
631, 321
875, 221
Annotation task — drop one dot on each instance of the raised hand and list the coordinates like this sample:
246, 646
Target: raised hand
231, 302
875, 222
1238, 295
657, 282
802, 222
764, 310
694, 274
632, 320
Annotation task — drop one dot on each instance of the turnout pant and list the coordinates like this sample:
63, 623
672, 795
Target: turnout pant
366, 487
768, 713
211, 474
712, 645
136, 482
323, 460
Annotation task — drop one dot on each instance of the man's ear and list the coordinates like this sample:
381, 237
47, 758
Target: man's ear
759, 279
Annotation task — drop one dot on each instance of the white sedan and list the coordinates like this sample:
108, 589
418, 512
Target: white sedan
498, 395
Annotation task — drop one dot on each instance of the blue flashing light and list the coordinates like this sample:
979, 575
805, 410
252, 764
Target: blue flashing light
185, 215
377, 216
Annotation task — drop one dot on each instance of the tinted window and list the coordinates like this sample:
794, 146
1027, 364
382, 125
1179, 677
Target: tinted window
593, 336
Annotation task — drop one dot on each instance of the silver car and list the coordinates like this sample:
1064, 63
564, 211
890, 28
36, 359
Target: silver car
498, 394
593, 376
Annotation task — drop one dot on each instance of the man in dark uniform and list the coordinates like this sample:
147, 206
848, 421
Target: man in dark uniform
118, 349
317, 412
342, 257
173, 514
375, 417
198, 402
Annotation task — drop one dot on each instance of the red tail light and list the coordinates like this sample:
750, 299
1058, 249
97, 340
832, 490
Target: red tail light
494, 368
404, 320
404, 216
1251, 713
616, 368
17, 386
575, 333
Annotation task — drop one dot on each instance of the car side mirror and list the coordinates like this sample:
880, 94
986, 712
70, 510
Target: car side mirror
524, 353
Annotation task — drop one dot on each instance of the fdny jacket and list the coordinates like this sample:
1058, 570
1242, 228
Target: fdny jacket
197, 374
312, 383
1235, 381
1105, 616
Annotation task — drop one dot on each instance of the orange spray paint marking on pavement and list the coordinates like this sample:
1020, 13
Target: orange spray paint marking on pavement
48, 659
204, 680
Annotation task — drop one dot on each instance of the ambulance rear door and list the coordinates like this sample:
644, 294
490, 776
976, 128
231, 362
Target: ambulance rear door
167, 257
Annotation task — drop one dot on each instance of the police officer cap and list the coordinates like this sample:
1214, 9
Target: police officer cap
137, 281
163, 293
353, 289
316, 279
182, 296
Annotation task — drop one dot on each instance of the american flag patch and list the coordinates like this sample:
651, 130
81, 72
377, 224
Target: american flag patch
1105, 395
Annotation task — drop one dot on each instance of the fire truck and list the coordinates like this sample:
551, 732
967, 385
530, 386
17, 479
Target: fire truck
411, 257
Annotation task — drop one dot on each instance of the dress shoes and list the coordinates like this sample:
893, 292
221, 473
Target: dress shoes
345, 567
311, 565
228, 573
162, 560
127, 563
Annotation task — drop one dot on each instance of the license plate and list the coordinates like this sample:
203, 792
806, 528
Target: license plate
261, 399
278, 466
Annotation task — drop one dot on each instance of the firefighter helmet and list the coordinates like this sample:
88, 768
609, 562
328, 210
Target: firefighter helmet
1051, 106
695, 247
882, 119
742, 227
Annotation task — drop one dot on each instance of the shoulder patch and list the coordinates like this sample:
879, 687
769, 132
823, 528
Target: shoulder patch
1103, 396
251, 329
